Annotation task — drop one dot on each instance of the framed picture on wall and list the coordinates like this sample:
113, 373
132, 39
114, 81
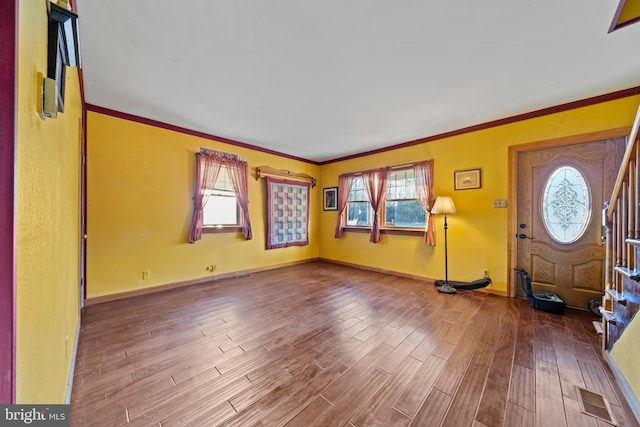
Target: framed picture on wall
330, 199
467, 179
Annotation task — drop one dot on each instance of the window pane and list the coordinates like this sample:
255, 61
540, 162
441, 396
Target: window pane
402, 209
359, 213
566, 205
392, 186
401, 185
358, 192
405, 214
221, 209
224, 182
358, 195
410, 187
357, 184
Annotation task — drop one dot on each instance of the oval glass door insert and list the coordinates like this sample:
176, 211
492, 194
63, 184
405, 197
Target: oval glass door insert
566, 205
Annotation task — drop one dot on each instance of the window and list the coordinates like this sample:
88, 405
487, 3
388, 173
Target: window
221, 179
402, 209
566, 205
359, 211
221, 206
393, 199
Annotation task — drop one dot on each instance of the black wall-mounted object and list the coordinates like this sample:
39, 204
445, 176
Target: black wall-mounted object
63, 48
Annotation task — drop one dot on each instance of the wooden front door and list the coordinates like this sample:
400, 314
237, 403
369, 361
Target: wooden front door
561, 192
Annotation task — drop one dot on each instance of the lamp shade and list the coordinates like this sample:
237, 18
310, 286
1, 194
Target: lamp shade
443, 205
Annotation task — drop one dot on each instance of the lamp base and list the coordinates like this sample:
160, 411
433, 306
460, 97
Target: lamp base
447, 289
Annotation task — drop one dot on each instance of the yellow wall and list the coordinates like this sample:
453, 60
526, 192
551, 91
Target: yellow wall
478, 233
140, 188
47, 164
625, 354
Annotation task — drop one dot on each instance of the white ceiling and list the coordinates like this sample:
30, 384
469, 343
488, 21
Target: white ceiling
321, 80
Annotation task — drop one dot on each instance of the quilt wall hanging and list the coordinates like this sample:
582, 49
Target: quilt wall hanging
287, 213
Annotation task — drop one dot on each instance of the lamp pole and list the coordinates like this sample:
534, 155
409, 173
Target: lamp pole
444, 205
446, 252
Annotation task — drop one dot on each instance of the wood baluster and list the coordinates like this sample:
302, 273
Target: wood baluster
614, 251
617, 246
617, 231
612, 237
609, 277
611, 261
631, 212
623, 224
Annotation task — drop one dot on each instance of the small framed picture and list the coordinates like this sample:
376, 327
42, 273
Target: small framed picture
467, 179
330, 199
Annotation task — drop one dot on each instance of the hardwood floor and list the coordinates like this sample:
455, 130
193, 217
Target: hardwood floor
327, 345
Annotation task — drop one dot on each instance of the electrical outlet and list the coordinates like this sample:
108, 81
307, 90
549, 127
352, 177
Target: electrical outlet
500, 203
146, 275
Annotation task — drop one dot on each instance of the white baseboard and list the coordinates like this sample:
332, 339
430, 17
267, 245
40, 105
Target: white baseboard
72, 370
624, 386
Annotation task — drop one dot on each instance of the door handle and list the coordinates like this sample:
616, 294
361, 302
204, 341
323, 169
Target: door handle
522, 235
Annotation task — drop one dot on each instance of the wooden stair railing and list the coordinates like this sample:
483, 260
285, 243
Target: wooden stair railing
621, 220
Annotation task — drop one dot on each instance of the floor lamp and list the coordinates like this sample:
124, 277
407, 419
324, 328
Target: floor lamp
444, 205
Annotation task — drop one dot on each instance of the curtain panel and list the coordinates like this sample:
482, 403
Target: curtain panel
206, 175
344, 188
238, 174
375, 182
423, 173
